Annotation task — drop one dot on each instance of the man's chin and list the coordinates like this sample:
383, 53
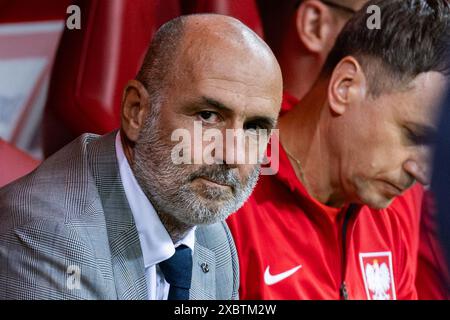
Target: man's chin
378, 202
207, 218
373, 198
207, 211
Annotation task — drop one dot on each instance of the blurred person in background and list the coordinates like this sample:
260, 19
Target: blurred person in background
301, 34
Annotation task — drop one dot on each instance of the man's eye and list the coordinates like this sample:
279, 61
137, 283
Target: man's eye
208, 116
419, 139
253, 127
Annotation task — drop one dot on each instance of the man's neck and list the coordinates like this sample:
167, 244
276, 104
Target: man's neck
299, 74
176, 229
304, 136
299, 77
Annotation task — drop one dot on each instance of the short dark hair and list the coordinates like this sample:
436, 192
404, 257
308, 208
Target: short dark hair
414, 38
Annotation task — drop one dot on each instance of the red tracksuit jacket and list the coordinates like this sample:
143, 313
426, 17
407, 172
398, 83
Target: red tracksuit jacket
292, 247
266, 230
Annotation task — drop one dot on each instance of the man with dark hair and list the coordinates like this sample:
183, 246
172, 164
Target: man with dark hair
350, 156
115, 217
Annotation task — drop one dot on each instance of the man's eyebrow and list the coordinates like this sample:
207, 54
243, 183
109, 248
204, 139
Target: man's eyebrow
216, 104
268, 122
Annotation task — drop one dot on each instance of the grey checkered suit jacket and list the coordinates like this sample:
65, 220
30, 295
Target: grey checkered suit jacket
67, 232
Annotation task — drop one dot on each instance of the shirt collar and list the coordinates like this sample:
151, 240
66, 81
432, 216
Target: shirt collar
155, 241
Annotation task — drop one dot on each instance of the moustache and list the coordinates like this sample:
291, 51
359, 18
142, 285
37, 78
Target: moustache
221, 174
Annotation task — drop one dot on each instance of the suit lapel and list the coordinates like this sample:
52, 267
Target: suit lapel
203, 285
126, 252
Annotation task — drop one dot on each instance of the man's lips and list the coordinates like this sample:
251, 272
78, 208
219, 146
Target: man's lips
394, 189
209, 181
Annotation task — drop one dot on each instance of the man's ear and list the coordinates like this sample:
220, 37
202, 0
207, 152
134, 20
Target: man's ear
314, 26
348, 85
135, 108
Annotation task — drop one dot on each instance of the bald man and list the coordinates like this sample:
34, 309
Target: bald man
118, 216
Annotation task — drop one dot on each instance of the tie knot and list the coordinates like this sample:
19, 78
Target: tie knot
177, 269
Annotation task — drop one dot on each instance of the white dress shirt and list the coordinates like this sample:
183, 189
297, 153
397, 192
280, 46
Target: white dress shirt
155, 241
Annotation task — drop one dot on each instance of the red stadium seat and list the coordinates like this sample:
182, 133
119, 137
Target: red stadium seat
14, 163
93, 65
166, 10
26, 10
244, 10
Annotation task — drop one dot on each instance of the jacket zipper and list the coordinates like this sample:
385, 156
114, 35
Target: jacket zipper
343, 290
343, 287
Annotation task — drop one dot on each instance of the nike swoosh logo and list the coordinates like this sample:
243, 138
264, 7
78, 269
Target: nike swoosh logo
272, 279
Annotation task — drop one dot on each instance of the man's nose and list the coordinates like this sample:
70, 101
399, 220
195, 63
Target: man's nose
419, 166
229, 153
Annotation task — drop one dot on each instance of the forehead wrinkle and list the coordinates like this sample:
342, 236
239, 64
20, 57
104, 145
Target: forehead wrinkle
208, 44
271, 100
224, 30
227, 44
241, 84
236, 65
211, 68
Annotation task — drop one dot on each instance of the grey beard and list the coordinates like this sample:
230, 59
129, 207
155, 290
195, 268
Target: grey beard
168, 186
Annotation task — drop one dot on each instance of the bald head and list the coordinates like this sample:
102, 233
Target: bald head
188, 44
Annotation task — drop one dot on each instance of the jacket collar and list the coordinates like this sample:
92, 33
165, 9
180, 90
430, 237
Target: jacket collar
126, 253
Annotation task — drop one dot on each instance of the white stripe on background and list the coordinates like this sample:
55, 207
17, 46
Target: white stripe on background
31, 27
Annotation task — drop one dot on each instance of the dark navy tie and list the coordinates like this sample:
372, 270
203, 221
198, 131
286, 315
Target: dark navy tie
177, 271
